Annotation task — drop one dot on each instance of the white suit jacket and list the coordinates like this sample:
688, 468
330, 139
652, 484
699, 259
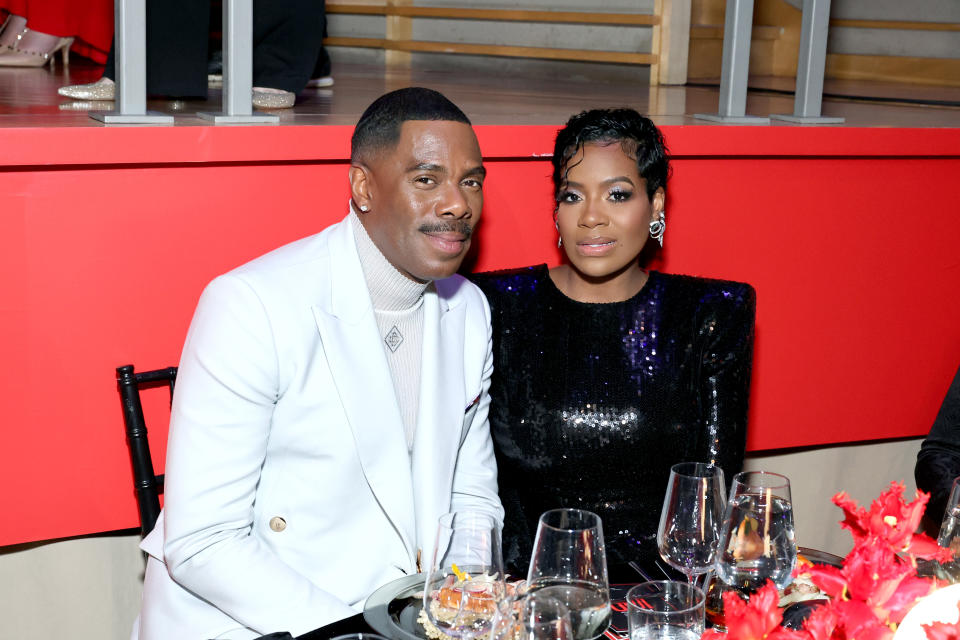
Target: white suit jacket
290, 494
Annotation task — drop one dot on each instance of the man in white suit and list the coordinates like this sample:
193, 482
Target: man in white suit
332, 399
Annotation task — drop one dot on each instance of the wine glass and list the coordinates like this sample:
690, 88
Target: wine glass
465, 580
690, 521
569, 563
535, 616
757, 539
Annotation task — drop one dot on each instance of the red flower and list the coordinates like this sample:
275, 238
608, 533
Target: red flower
869, 595
923, 546
828, 579
859, 620
891, 521
821, 624
943, 630
910, 589
873, 573
755, 619
874, 576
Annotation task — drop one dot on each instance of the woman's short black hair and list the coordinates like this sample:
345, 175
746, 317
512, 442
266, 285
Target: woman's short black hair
637, 135
379, 126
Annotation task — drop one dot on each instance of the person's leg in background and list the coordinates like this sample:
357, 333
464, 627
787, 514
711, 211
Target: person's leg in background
176, 48
287, 38
176, 54
323, 70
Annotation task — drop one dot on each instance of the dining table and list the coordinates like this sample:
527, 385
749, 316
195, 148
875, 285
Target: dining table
616, 631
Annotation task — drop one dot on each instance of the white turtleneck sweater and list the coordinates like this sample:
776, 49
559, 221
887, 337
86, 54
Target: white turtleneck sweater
398, 308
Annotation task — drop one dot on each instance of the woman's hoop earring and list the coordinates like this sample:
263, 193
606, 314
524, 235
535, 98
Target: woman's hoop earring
559, 237
657, 227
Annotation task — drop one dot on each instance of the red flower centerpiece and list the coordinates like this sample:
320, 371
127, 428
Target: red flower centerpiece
869, 595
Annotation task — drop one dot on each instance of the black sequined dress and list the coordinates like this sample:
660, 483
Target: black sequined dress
593, 403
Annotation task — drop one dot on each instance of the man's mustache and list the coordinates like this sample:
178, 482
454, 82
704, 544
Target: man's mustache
454, 226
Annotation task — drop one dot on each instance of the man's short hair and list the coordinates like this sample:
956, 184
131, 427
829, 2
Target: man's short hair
379, 127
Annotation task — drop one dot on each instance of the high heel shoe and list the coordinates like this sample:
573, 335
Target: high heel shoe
102, 89
12, 26
35, 49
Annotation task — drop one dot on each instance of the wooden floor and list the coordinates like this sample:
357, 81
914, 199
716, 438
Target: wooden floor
28, 98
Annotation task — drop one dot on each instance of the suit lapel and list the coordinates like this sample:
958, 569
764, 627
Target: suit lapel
351, 340
440, 415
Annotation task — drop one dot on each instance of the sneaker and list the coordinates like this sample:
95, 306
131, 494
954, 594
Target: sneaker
322, 81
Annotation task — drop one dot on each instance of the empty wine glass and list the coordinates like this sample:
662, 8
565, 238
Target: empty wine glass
535, 616
690, 521
569, 563
464, 582
757, 539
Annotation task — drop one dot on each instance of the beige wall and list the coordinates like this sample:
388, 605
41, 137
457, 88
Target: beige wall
80, 589
89, 588
863, 471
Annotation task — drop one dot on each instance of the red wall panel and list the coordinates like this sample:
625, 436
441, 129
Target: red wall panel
855, 260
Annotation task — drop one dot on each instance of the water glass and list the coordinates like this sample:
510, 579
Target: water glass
757, 539
569, 563
690, 521
665, 610
535, 616
464, 581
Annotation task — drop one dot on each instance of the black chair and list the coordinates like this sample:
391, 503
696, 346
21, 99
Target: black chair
147, 485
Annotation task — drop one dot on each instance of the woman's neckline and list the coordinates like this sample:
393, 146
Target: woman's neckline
651, 274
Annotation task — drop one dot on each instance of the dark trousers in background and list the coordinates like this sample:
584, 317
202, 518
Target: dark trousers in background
287, 39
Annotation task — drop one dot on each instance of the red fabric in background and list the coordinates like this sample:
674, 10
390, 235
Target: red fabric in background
89, 21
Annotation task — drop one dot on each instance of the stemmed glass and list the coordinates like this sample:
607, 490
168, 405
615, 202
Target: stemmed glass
690, 521
569, 563
465, 580
757, 540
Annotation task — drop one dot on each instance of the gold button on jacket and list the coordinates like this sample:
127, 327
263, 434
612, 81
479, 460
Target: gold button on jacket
277, 523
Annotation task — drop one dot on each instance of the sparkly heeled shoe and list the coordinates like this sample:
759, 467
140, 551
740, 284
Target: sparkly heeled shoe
269, 98
102, 89
35, 49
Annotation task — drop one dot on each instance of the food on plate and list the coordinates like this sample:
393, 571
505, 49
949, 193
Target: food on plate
473, 599
802, 588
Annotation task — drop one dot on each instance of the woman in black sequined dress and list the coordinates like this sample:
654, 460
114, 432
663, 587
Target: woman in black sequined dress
606, 374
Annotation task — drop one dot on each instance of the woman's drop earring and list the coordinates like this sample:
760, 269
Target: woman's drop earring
559, 237
657, 227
